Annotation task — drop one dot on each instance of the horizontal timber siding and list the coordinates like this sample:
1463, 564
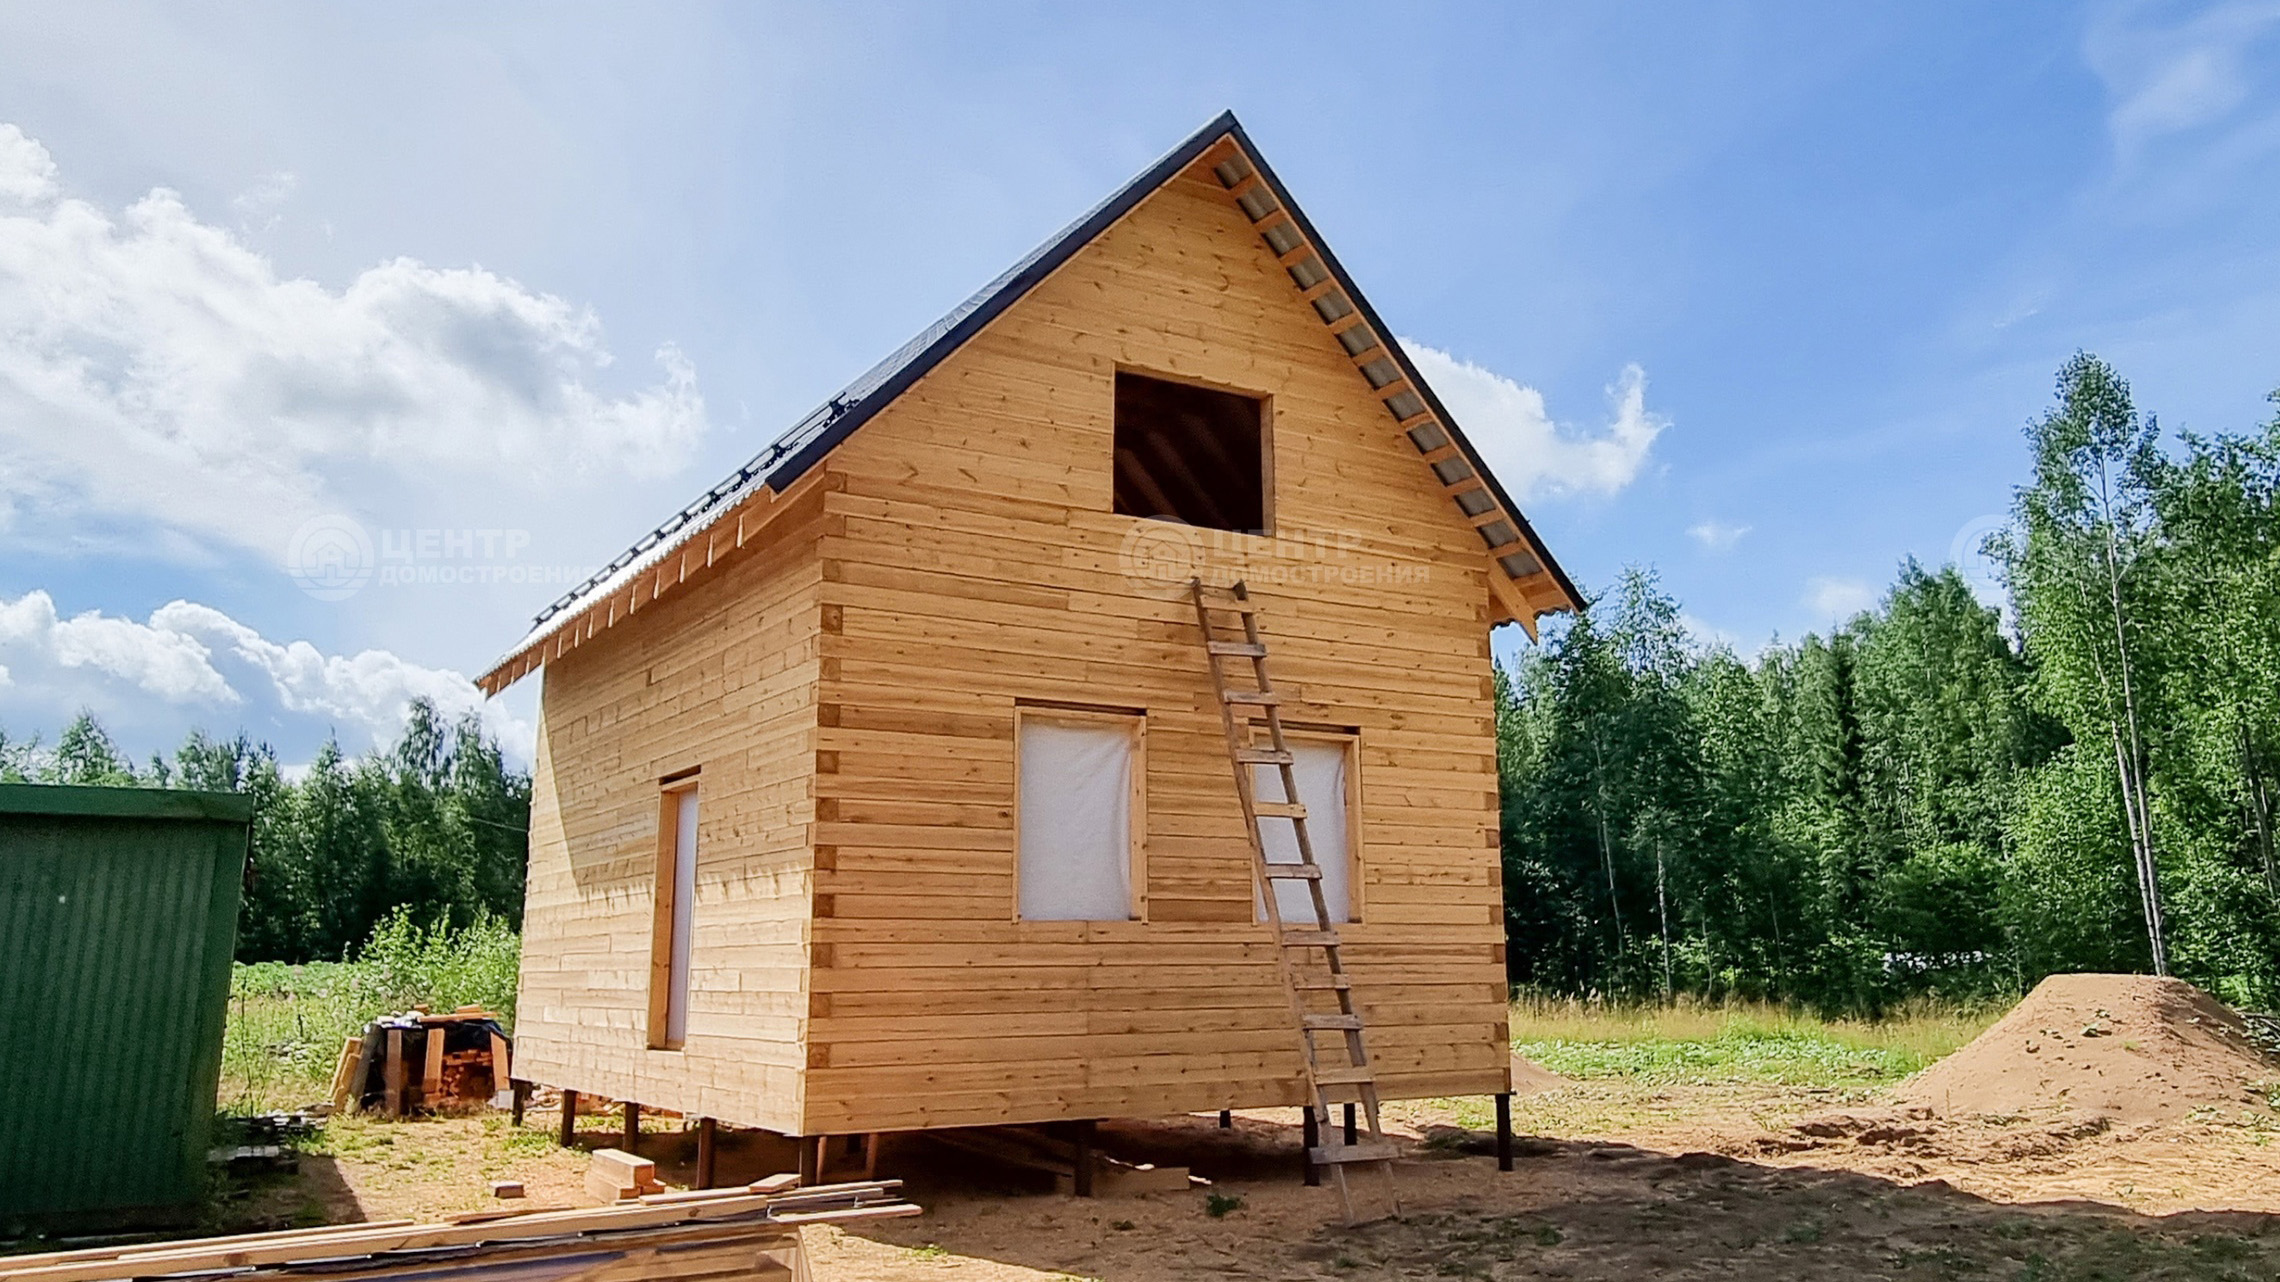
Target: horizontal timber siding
723, 679
969, 558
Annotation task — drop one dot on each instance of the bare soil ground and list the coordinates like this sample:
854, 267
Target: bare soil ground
1612, 1181
2103, 1130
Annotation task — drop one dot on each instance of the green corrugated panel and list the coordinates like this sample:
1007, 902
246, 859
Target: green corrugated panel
118, 917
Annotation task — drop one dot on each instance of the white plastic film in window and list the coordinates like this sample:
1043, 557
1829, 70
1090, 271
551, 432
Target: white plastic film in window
1321, 771
1075, 820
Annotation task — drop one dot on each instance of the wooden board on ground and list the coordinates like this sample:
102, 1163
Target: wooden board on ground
728, 1235
344, 1071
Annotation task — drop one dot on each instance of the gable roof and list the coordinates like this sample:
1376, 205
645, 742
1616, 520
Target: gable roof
1534, 582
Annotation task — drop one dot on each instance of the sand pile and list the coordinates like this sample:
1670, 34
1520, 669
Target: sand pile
2130, 1049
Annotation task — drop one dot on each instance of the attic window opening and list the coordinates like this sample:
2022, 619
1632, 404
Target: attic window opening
1190, 454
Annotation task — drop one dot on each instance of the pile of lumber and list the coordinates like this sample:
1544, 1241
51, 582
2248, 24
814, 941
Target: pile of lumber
462, 1058
618, 1176
716, 1235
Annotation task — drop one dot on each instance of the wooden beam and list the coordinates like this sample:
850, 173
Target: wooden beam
1508, 595
393, 1074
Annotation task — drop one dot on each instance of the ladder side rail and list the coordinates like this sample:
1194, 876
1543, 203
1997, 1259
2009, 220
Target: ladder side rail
1246, 793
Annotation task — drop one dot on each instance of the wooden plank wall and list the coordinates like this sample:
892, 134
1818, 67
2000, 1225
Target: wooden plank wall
722, 678
971, 558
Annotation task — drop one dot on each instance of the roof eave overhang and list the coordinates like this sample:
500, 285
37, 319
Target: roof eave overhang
574, 620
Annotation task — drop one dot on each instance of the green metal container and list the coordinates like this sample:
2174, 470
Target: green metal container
118, 918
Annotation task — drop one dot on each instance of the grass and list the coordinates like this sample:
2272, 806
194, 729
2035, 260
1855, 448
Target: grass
1694, 1043
287, 1022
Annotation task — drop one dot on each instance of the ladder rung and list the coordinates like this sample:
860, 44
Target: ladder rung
1310, 939
1324, 984
1366, 1151
1294, 872
1261, 697
1278, 810
1358, 1075
1236, 649
1264, 757
1331, 1023
1232, 606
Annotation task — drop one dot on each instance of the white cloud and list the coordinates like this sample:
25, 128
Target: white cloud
1531, 454
369, 690
27, 172
2167, 80
1717, 536
1836, 600
147, 355
1708, 635
261, 205
153, 660
172, 658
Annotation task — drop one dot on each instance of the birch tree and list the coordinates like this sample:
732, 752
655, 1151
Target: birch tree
2080, 565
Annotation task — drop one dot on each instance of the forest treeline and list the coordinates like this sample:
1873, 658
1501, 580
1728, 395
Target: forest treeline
1937, 797
432, 825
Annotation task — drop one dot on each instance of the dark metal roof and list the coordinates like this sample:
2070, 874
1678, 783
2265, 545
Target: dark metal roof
123, 803
807, 442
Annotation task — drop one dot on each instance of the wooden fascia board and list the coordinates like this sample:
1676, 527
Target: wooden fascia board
739, 526
1564, 595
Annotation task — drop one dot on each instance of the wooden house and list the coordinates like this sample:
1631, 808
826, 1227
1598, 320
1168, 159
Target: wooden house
886, 785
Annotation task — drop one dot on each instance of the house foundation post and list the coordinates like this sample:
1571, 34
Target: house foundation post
1082, 1132
811, 1160
1504, 1131
569, 1118
705, 1152
1313, 1141
632, 1127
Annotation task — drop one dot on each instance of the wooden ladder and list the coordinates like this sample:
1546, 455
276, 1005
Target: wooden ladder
1298, 943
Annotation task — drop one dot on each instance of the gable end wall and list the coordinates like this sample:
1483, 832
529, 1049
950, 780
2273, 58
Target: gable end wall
973, 560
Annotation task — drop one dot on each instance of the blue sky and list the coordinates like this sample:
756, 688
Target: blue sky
1757, 294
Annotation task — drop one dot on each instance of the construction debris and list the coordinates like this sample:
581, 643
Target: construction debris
717, 1235
462, 1059
507, 1188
